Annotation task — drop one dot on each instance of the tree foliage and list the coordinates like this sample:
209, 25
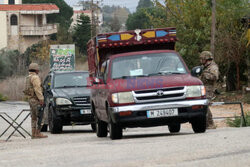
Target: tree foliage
138, 20
231, 51
144, 4
115, 24
193, 22
82, 33
114, 18
8, 63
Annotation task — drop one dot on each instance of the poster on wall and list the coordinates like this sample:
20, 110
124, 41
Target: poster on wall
62, 57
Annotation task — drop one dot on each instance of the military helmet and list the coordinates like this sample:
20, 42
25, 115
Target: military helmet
207, 55
34, 66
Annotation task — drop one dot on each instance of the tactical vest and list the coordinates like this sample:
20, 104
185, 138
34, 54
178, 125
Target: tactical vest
29, 89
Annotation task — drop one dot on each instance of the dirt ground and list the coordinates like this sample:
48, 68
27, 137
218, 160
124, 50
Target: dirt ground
227, 111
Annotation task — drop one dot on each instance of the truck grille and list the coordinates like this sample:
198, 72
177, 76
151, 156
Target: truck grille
163, 94
82, 101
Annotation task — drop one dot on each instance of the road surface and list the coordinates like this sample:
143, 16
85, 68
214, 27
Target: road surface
140, 147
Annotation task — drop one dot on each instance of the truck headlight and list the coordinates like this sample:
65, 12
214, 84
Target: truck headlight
63, 101
123, 97
195, 91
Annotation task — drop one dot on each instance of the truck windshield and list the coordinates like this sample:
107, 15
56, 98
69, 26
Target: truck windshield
147, 65
70, 80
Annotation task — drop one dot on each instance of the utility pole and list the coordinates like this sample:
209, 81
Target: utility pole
95, 11
92, 18
213, 27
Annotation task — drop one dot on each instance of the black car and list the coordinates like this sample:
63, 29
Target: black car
67, 99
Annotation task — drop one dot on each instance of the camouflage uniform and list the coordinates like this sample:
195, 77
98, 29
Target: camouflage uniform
209, 77
34, 93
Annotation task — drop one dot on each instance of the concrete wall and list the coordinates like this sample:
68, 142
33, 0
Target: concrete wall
32, 20
27, 20
13, 32
3, 30
27, 41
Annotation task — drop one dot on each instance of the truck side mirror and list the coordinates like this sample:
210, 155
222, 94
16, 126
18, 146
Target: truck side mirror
98, 81
196, 71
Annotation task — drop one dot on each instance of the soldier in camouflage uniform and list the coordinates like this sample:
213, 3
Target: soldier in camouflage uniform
33, 91
209, 77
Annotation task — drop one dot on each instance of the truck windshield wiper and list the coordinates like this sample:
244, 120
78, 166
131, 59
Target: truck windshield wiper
66, 87
128, 76
164, 73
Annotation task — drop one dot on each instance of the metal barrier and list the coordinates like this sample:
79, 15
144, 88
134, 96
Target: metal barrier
11, 123
243, 119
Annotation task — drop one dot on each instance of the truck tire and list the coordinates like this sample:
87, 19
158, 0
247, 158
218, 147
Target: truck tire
93, 126
101, 128
199, 124
174, 128
115, 130
55, 123
44, 128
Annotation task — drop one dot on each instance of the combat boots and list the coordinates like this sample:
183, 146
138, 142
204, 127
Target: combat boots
33, 135
40, 135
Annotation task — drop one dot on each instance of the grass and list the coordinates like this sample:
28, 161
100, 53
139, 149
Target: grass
13, 87
236, 122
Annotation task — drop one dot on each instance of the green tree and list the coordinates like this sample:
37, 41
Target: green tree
8, 63
193, 22
144, 4
111, 16
138, 20
82, 33
231, 50
115, 25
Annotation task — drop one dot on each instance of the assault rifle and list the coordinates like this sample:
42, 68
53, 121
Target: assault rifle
40, 115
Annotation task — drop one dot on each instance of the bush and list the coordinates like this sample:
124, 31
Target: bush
8, 63
3, 98
236, 122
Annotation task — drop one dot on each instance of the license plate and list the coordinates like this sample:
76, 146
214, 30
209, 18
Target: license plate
169, 112
85, 111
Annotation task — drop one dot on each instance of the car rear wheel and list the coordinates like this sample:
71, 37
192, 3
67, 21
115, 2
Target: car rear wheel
55, 123
44, 128
93, 126
174, 128
199, 124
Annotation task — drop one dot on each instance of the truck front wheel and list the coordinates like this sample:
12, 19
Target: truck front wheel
101, 128
115, 130
199, 124
174, 128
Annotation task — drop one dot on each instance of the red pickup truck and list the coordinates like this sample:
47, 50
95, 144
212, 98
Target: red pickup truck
139, 80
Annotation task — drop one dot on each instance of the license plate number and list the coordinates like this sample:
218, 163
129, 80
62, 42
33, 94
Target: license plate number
169, 112
85, 111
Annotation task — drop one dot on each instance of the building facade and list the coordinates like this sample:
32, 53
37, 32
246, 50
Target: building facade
98, 15
23, 25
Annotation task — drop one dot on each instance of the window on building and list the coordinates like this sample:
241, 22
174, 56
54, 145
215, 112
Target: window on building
13, 20
11, 2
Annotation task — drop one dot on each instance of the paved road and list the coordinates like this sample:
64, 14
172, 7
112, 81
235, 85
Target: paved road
140, 147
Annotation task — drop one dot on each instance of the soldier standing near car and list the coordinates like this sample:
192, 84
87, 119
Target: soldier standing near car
33, 91
209, 77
